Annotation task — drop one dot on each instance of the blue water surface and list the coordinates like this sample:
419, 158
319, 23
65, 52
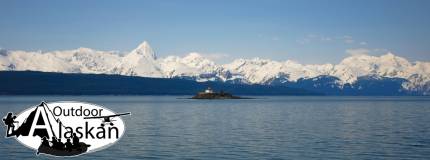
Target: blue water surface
280, 127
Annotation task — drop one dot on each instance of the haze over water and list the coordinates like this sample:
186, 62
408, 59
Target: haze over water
284, 127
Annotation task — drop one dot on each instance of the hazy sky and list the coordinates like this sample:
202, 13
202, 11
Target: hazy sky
314, 31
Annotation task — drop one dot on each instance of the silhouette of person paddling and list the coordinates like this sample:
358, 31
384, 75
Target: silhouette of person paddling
54, 142
45, 142
8, 121
75, 140
69, 145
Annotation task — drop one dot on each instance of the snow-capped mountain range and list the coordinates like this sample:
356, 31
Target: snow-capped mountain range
143, 61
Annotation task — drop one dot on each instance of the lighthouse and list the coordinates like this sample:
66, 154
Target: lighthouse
209, 90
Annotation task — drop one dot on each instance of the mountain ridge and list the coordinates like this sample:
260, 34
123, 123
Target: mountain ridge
143, 62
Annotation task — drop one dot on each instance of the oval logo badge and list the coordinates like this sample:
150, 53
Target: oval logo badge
66, 128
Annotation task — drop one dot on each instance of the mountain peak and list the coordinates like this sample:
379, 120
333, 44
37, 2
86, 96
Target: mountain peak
193, 55
144, 44
145, 50
389, 55
84, 49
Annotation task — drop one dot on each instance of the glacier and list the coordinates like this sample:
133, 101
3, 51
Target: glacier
354, 71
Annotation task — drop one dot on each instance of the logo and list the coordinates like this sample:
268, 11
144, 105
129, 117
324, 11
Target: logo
65, 128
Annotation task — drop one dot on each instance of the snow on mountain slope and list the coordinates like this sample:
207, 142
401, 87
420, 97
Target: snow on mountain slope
263, 70
191, 65
91, 61
139, 62
255, 70
386, 65
82, 60
143, 61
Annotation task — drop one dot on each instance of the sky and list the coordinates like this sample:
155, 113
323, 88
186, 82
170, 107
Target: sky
307, 31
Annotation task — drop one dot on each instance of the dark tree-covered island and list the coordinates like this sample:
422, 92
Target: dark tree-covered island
210, 94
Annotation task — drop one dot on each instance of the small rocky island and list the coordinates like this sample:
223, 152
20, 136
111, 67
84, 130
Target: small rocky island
210, 94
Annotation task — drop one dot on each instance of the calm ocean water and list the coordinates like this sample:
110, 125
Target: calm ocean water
165, 127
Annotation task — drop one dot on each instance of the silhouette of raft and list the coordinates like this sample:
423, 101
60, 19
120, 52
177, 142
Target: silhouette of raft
82, 148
